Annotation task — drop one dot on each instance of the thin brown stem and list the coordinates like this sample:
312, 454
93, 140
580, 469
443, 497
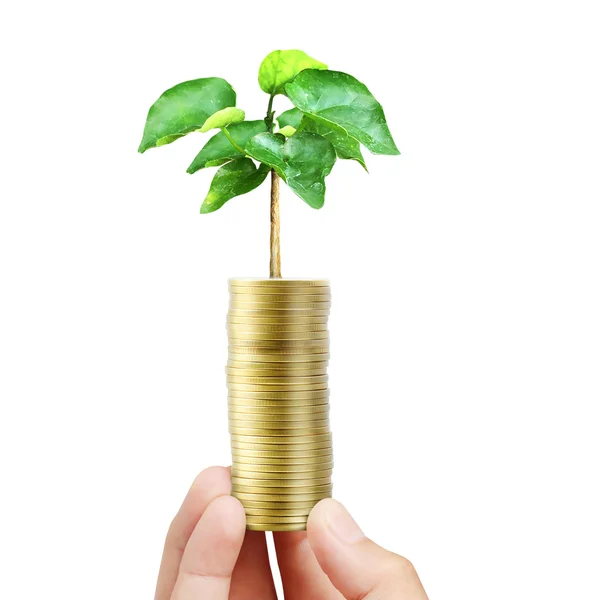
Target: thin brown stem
275, 227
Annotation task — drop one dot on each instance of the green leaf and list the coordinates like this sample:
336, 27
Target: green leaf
346, 147
223, 118
344, 104
282, 66
238, 177
287, 130
218, 150
185, 108
291, 118
303, 161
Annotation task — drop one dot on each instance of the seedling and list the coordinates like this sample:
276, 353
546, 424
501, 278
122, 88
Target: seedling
333, 114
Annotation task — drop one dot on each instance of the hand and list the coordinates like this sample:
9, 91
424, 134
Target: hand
209, 555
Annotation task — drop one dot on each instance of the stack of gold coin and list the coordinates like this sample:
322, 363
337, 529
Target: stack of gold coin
278, 399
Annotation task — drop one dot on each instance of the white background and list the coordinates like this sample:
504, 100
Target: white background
460, 272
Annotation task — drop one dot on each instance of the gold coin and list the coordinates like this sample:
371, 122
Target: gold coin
276, 520
307, 323
238, 390
245, 364
325, 453
311, 469
279, 297
250, 406
280, 409
272, 372
243, 367
300, 290
297, 481
276, 358
280, 301
284, 480
325, 437
277, 431
263, 476
282, 468
277, 421
305, 446
277, 346
321, 462
278, 424
317, 463
270, 355
242, 342
244, 404
282, 453
283, 490
261, 497
309, 476
275, 372
280, 483
286, 427
282, 314
287, 382
274, 361
314, 486
278, 289
308, 387
310, 418
284, 512
287, 379
297, 290
268, 310
272, 415
288, 307
247, 464
290, 282
272, 339
283, 393
272, 419
277, 336
276, 527
309, 350
239, 445
272, 328
262, 504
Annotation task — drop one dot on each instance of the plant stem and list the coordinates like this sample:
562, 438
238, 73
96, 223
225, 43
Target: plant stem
269, 115
275, 212
232, 141
275, 227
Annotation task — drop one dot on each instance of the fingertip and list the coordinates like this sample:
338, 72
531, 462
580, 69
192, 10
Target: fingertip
214, 477
330, 518
217, 539
317, 516
230, 514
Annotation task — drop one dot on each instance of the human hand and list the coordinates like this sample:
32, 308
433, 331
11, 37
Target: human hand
209, 555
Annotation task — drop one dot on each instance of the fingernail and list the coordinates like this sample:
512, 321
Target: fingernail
342, 525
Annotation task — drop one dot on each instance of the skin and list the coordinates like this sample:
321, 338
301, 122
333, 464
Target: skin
209, 554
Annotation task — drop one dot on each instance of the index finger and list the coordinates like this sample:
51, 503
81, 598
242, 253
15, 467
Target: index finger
209, 484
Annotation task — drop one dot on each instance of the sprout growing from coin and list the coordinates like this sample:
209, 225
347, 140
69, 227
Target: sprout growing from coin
333, 114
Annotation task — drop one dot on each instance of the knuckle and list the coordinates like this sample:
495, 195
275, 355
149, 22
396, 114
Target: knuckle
401, 567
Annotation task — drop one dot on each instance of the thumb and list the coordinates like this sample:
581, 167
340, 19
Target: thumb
358, 567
